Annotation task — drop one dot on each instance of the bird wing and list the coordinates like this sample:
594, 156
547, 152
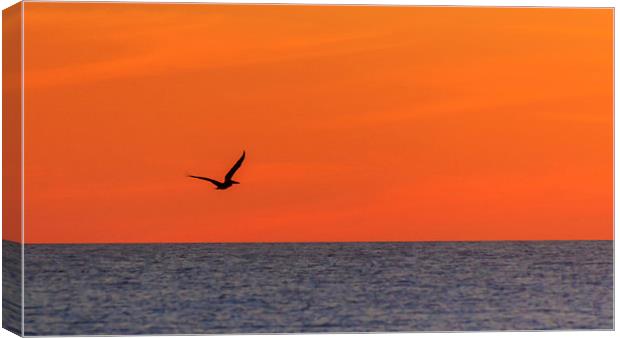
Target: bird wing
232, 170
217, 183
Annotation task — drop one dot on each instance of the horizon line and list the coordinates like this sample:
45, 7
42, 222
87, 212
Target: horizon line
312, 242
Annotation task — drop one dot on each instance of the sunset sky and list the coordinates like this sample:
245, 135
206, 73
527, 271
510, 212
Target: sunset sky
359, 123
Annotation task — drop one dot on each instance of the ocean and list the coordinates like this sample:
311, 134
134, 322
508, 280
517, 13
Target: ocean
317, 287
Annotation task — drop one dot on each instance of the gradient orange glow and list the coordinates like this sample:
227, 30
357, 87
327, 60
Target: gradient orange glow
360, 123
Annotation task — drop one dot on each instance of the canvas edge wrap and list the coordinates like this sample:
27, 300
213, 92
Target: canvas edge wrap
12, 174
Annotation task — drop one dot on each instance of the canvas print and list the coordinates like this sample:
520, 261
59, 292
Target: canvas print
227, 168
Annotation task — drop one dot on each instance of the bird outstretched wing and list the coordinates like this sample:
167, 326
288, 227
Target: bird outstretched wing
217, 183
232, 170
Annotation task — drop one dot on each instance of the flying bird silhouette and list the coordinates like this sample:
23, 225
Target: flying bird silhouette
228, 181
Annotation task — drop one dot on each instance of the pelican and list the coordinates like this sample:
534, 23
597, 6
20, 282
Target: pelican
228, 181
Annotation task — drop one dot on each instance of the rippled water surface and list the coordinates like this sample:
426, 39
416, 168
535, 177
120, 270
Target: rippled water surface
336, 287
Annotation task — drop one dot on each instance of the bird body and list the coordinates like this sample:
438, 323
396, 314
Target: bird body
228, 181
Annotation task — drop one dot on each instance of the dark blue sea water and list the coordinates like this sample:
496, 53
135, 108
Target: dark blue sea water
338, 287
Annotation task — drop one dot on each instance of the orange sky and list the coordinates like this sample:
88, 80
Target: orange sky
360, 123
